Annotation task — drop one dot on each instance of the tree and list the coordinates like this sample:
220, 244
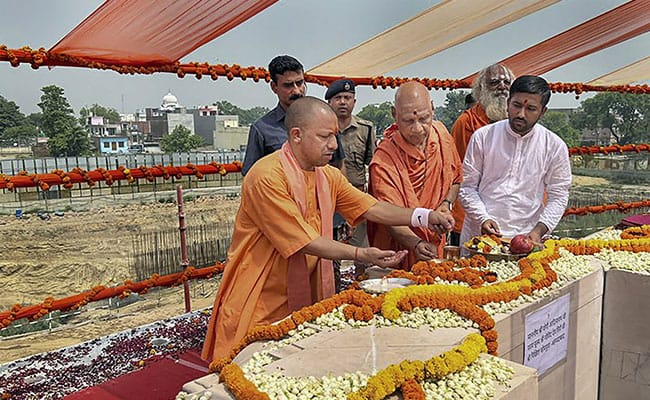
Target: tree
626, 115
253, 114
227, 108
14, 127
180, 140
72, 143
558, 122
10, 115
36, 119
378, 114
246, 117
21, 135
110, 115
59, 124
454, 106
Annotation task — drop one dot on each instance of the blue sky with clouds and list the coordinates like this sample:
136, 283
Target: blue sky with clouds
311, 30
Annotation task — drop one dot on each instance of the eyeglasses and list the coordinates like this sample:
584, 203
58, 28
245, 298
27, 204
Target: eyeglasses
496, 82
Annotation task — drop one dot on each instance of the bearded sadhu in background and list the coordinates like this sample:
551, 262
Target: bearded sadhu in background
490, 91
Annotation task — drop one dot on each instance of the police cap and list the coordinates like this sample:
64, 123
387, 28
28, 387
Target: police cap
336, 87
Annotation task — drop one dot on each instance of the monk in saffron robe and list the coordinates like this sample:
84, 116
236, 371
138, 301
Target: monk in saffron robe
490, 89
416, 165
279, 258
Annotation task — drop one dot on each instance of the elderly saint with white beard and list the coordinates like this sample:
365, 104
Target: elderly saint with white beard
490, 89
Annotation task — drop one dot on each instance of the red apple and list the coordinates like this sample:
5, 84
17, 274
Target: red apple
521, 244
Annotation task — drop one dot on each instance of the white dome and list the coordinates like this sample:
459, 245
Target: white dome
169, 99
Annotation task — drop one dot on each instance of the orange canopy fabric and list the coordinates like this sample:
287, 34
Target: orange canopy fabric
442, 26
153, 32
615, 26
635, 72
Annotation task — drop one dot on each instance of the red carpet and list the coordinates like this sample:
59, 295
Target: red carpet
159, 380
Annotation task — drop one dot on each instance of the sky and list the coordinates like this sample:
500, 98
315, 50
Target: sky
310, 30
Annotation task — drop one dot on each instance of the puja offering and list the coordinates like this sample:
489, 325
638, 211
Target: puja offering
521, 244
383, 285
488, 244
495, 248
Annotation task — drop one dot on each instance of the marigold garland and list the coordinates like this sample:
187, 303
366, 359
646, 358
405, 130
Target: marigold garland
618, 206
463, 270
412, 390
636, 232
42, 57
404, 374
389, 380
535, 273
79, 175
614, 148
88, 296
37, 311
233, 377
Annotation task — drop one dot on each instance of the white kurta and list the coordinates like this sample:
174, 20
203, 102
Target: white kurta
505, 176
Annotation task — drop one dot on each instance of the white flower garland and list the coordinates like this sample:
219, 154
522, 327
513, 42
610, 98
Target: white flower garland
625, 260
477, 381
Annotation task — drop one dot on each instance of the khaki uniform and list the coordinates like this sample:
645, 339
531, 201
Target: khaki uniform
359, 143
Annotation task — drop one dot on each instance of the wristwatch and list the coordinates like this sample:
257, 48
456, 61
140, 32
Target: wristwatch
448, 202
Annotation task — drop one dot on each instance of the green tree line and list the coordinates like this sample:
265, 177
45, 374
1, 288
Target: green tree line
626, 115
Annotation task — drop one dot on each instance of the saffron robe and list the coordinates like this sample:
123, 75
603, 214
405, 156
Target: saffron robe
403, 175
270, 228
466, 124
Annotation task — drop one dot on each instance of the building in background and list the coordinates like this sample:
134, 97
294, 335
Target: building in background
597, 137
219, 132
111, 144
106, 137
228, 135
136, 128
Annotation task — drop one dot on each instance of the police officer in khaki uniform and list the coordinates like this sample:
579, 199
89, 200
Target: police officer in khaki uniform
359, 142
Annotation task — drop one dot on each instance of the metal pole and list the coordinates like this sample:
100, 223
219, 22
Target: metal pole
185, 262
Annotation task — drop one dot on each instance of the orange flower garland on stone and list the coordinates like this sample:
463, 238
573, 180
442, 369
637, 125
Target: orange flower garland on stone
636, 232
233, 377
412, 390
463, 270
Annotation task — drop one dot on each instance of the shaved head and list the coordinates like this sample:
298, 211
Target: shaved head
312, 127
302, 111
411, 91
414, 113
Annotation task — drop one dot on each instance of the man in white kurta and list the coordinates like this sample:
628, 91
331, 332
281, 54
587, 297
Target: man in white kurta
508, 167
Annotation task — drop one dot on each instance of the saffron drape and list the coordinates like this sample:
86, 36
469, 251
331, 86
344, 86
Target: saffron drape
153, 32
636, 72
442, 26
615, 26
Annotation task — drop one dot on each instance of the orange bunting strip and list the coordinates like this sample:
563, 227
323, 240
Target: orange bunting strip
618, 206
79, 175
37, 311
41, 57
614, 148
